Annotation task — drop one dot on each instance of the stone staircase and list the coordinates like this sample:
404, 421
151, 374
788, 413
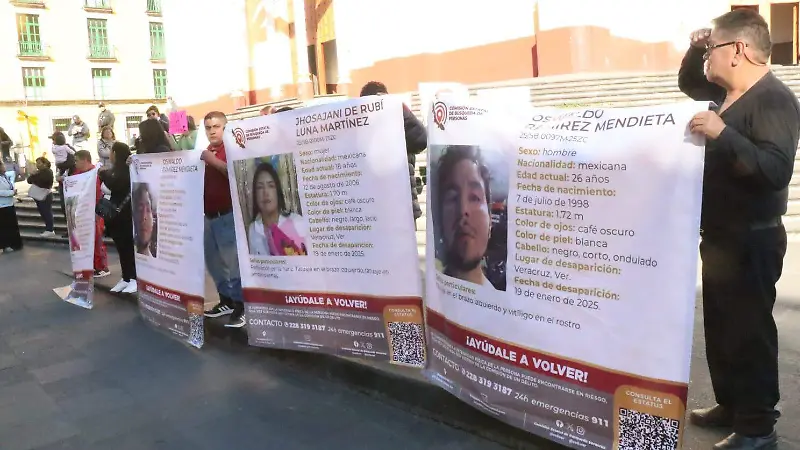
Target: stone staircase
31, 224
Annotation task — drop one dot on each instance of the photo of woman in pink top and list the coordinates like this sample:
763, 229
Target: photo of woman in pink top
274, 231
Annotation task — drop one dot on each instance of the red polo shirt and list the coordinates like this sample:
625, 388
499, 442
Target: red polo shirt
217, 190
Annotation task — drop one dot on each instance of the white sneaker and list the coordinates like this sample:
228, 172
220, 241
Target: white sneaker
8, 250
131, 288
122, 284
48, 234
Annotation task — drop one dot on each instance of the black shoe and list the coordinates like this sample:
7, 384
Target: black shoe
237, 319
738, 442
714, 417
222, 309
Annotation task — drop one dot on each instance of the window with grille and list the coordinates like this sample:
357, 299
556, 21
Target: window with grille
157, 40
154, 6
98, 4
101, 82
30, 40
98, 39
33, 81
61, 124
160, 83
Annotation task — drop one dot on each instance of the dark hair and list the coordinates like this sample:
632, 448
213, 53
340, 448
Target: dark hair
451, 156
121, 153
268, 168
190, 123
137, 196
83, 155
152, 108
113, 136
283, 108
748, 25
216, 115
151, 133
373, 88
59, 138
44, 161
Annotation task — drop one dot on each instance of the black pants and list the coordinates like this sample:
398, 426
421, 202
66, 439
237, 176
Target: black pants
45, 208
122, 233
740, 269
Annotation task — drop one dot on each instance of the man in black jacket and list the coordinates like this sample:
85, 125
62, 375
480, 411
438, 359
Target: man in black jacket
751, 142
416, 141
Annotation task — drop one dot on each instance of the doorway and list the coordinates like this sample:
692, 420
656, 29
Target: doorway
784, 32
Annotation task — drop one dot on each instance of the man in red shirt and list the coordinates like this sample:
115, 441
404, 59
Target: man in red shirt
83, 164
222, 260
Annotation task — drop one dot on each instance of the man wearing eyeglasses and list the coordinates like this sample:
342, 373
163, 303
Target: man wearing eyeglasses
751, 140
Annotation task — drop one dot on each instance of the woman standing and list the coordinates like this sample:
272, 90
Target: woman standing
104, 144
10, 239
43, 179
152, 138
118, 180
189, 138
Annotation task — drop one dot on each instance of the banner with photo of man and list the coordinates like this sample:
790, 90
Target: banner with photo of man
325, 231
562, 258
167, 209
80, 196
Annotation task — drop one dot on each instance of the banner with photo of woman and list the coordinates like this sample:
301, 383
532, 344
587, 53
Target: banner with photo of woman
167, 209
80, 196
562, 264
325, 230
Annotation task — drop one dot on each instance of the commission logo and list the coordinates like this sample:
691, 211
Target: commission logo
239, 136
440, 114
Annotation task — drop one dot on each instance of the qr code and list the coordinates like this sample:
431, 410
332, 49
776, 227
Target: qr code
196, 330
641, 431
408, 343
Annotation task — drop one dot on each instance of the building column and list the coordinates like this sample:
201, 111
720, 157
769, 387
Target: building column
305, 90
342, 12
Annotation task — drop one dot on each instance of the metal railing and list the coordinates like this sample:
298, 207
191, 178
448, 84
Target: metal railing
97, 4
154, 6
102, 52
32, 49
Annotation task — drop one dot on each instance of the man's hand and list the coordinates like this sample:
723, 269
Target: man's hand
129, 160
59, 178
699, 38
207, 156
707, 123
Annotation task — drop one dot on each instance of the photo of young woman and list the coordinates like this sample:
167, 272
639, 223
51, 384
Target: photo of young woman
145, 223
274, 230
70, 207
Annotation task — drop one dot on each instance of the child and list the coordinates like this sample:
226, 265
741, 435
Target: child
83, 164
64, 157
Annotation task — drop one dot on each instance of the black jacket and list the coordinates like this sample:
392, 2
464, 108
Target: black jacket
42, 178
416, 143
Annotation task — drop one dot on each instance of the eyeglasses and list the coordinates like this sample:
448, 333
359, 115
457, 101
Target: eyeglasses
710, 47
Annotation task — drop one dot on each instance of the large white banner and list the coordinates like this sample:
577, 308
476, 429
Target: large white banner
80, 197
167, 207
325, 230
562, 258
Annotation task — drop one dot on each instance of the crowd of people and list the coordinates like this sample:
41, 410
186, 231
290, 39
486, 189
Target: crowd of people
751, 132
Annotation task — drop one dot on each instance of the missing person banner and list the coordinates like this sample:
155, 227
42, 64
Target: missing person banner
80, 197
325, 231
562, 258
167, 209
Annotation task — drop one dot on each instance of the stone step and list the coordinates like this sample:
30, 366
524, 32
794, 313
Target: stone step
38, 225
793, 207
792, 224
34, 236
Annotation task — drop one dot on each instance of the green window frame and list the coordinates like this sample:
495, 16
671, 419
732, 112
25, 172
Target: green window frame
98, 38
33, 82
97, 4
154, 6
160, 83
28, 32
157, 47
101, 83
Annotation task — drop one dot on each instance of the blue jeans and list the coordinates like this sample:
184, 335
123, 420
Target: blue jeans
222, 259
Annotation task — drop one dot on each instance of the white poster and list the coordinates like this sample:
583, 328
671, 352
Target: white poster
325, 230
80, 197
562, 258
167, 207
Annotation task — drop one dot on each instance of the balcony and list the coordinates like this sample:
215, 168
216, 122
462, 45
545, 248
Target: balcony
98, 6
28, 3
33, 51
158, 55
102, 53
154, 8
